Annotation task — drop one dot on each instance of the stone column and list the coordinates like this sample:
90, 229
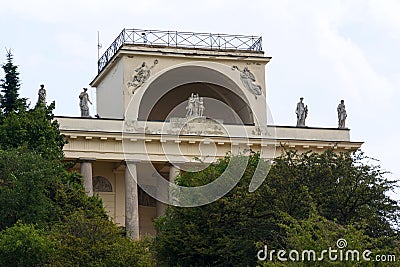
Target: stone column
162, 190
173, 172
87, 173
131, 201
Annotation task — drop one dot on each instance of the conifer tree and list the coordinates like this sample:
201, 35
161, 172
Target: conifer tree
10, 86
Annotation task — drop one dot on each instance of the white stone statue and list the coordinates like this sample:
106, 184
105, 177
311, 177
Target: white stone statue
301, 112
42, 94
201, 107
342, 115
190, 107
195, 107
141, 75
249, 81
84, 103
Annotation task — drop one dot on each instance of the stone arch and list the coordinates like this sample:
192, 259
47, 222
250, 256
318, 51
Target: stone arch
167, 93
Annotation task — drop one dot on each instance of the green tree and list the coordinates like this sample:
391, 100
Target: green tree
342, 187
35, 190
222, 233
337, 187
34, 129
24, 245
87, 240
39, 191
10, 85
24, 179
317, 233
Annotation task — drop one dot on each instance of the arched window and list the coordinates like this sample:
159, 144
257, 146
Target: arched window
101, 184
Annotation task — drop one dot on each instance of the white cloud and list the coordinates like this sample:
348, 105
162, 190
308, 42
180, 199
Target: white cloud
386, 15
355, 74
76, 11
75, 45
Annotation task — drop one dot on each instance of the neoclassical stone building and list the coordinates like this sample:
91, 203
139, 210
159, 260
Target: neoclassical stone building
168, 101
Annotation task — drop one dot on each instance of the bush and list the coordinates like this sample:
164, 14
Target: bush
87, 240
24, 245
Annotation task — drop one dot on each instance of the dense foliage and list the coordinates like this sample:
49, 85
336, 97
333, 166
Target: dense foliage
39, 191
337, 188
25, 245
87, 240
33, 129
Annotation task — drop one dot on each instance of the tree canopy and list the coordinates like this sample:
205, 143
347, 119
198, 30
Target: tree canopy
301, 192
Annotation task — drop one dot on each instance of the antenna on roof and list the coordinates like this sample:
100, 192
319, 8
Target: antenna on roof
98, 46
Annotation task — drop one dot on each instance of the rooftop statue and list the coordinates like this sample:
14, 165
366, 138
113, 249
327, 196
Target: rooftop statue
84, 103
301, 112
42, 94
342, 115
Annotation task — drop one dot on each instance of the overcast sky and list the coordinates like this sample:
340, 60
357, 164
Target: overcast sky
322, 50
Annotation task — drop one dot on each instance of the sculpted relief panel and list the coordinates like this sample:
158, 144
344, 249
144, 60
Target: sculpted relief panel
141, 75
249, 81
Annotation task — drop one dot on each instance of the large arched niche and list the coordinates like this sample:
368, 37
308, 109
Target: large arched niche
167, 96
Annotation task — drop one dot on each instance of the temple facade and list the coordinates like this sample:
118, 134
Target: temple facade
170, 101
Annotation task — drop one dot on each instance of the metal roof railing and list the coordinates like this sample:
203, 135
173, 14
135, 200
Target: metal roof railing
180, 39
